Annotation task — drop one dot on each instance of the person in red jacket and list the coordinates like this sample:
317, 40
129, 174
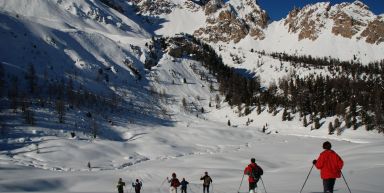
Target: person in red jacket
330, 164
174, 182
254, 173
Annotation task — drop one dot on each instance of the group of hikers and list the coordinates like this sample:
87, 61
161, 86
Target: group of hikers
329, 163
137, 185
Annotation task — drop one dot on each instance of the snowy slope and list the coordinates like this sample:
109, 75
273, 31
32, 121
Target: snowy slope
82, 41
203, 146
154, 134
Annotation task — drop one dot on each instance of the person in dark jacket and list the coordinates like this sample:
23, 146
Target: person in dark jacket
207, 181
174, 182
184, 184
330, 164
137, 185
120, 186
254, 173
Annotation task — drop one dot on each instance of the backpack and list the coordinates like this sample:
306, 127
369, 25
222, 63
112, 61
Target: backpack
138, 186
256, 172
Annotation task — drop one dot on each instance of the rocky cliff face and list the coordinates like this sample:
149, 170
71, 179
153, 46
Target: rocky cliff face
349, 20
233, 21
153, 7
309, 21
374, 32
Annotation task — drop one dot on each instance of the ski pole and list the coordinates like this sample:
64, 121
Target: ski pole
161, 185
307, 178
130, 190
262, 182
163, 182
345, 182
190, 189
240, 184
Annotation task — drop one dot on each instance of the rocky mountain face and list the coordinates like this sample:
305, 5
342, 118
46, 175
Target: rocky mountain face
152, 7
233, 21
349, 20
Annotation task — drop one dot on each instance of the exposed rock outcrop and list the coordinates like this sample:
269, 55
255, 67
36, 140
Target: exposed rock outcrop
233, 21
374, 32
348, 20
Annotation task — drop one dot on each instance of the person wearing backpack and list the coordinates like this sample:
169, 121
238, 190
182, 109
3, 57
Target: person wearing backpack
137, 185
120, 186
184, 184
174, 182
330, 164
207, 181
254, 173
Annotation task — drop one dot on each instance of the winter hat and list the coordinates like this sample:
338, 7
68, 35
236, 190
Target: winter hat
327, 145
173, 174
253, 160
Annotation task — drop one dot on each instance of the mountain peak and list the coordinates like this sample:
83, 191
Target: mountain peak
348, 20
233, 21
360, 4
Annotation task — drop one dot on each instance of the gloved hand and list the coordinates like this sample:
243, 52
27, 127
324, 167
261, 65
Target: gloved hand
314, 162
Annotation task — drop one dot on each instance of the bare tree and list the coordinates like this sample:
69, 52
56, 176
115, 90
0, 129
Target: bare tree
32, 78
60, 109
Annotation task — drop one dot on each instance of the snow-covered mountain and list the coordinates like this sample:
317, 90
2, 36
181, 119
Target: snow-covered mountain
341, 31
117, 84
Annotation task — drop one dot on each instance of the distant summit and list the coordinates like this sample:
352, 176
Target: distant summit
349, 20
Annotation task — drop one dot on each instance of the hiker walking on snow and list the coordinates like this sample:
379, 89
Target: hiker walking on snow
174, 182
330, 164
254, 173
137, 185
120, 186
207, 181
184, 184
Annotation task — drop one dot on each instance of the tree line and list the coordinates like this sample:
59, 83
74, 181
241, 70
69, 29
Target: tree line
353, 92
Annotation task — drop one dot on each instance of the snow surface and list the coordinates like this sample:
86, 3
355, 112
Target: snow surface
83, 36
156, 152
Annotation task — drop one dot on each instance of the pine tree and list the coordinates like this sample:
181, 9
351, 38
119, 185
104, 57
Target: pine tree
217, 100
94, 128
60, 109
305, 122
331, 129
229, 123
348, 122
354, 123
284, 116
2, 80
316, 123
247, 110
32, 78
258, 108
29, 116
184, 103
336, 123
13, 93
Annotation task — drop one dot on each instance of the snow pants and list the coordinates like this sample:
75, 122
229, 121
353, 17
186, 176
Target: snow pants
205, 187
328, 185
172, 190
252, 186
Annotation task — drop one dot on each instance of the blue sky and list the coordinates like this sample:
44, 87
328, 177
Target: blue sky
278, 9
